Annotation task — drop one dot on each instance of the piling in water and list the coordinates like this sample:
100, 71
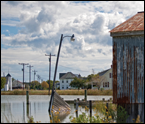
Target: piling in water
85, 95
27, 97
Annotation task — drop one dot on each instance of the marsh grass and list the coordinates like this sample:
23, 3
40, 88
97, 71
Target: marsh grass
60, 92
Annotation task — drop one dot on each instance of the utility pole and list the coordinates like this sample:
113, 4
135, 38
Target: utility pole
34, 75
49, 68
29, 74
23, 71
38, 76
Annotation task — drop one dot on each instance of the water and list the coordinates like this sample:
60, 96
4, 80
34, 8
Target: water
14, 107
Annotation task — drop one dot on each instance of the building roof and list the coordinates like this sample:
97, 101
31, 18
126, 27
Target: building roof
103, 72
135, 23
8, 75
61, 74
68, 75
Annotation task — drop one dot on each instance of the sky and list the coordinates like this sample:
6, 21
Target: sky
31, 29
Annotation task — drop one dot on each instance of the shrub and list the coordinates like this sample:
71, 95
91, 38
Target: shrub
102, 89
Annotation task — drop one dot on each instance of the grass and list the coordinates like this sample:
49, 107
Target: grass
60, 92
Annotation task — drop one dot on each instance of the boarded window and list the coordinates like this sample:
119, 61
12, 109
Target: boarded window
110, 75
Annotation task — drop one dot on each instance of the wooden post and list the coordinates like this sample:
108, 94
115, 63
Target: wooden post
90, 106
103, 99
27, 109
85, 95
76, 109
27, 96
107, 108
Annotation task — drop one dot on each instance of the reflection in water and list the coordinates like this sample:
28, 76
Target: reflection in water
17, 110
23, 112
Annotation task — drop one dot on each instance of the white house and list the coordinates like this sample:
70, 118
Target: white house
8, 85
107, 82
17, 85
65, 79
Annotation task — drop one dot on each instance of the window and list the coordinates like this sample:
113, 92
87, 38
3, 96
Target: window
110, 75
67, 81
62, 87
105, 84
62, 81
67, 87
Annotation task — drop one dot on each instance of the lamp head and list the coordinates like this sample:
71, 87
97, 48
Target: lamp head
72, 38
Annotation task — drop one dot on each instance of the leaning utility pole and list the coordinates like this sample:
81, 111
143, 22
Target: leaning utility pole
23, 71
34, 75
29, 74
49, 69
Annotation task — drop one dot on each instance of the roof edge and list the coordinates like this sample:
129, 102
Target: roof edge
127, 33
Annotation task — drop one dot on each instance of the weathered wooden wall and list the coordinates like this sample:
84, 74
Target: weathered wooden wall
128, 74
128, 69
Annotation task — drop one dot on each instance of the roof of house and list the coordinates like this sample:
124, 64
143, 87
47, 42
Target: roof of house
68, 75
18, 81
8, 75
135, 23
103, 72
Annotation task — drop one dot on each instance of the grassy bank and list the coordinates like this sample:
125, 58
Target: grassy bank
60, 92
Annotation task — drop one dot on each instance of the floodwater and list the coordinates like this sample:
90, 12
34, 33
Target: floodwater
15, 109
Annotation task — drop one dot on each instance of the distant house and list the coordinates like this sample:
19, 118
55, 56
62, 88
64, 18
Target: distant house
106, 82
17, 85
65, 79
57, 85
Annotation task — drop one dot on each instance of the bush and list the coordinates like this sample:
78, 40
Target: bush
102, 89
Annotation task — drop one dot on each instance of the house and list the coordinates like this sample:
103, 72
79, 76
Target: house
107, 82
128, 66
8, 85
65, 79
17, 85
57, 85
105, 78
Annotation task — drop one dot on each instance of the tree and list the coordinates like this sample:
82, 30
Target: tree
97, 79
45, 85
51, 83
3, 81
34, 85
77, 82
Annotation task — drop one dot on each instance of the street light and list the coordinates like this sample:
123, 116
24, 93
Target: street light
72, 39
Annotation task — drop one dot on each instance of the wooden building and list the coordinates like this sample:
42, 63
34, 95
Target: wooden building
128, 66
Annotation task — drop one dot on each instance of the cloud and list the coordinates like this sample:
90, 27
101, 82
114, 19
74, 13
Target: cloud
43, 23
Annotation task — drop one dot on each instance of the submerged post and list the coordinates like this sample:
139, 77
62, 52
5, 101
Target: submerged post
76, 108
85, 95
107, 109
27, 110
27, 97
90, 106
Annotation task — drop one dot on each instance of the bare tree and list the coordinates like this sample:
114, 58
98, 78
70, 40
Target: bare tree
97, 80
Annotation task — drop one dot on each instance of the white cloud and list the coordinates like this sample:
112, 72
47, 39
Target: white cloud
45, 21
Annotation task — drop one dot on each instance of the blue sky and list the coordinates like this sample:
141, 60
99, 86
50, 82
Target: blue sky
31, 29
